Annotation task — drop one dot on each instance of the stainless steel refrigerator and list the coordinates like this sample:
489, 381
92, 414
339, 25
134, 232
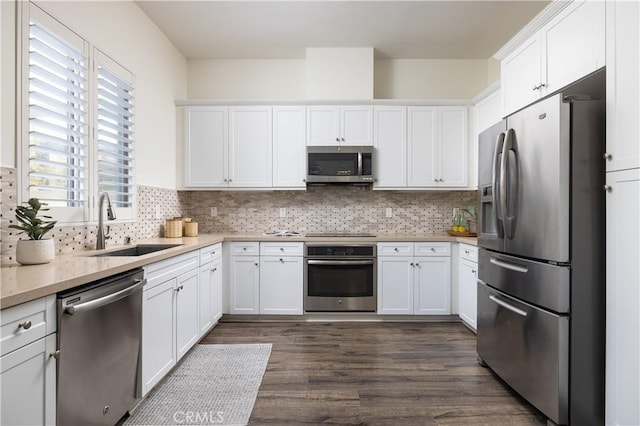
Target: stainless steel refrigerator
541, 277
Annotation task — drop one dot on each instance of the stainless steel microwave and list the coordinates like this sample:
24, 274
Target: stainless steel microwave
340, 164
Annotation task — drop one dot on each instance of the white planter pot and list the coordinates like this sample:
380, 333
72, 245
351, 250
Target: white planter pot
34, 252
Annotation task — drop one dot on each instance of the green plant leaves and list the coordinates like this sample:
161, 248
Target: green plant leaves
30, 223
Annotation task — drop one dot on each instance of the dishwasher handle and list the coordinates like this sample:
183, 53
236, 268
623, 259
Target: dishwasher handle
105, 300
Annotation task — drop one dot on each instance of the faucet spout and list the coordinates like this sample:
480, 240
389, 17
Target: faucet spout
102, 236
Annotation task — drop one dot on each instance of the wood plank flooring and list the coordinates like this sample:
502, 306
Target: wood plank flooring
375, 374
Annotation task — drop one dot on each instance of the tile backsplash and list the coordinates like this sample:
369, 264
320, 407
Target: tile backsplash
325, 208
318, 209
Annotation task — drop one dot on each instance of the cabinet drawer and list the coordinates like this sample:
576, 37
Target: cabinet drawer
281, 249
432, 249
159, 272
245, 249
469, 253
395, 249
209, 254
26, 323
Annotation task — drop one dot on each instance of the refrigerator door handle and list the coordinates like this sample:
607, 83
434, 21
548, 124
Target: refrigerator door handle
508, 265
509, 195
497, 184
508, 306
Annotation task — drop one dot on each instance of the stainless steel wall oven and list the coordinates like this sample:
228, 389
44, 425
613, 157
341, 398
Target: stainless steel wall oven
340, 277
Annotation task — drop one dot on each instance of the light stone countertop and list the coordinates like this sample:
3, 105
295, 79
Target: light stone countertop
22, 283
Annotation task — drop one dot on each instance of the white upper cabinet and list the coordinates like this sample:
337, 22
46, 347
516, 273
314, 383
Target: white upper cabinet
437, 147
206, 144
250, 148
390, 141
568, 47
339, 125
623, 85
289, 159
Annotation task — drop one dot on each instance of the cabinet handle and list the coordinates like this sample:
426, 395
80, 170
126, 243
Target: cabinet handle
608, 188
607, 156
179, 288
26, 325
214, 269
55, 354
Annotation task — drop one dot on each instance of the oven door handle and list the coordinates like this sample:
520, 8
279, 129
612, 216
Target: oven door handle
105, 300
340, 262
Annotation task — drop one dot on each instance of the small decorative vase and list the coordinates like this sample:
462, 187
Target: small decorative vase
35, 252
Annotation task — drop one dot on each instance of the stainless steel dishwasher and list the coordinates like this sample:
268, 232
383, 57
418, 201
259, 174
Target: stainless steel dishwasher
99, 335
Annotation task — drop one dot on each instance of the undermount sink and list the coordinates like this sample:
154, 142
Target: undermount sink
138, 250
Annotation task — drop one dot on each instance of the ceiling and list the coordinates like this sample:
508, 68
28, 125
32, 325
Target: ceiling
284, 29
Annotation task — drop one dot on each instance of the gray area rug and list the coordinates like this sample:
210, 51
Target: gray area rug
214, 384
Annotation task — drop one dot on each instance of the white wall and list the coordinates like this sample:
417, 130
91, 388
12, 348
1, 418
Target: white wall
121, 30
7, 83
429, 78
493, 70
286, 79
340, 73
246, 79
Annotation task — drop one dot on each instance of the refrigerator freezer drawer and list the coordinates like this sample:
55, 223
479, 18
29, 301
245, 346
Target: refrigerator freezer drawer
528, 348
541, 284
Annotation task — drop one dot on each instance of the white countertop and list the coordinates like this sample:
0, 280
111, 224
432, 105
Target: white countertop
22, 283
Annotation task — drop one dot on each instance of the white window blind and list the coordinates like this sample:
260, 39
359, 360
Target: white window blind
114, 133
57, 116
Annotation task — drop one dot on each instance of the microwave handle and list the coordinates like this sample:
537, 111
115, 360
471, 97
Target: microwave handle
359, 163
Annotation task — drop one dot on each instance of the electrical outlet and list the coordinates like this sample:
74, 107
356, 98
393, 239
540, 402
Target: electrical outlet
389, 212
158, 212
214, 211
283, 212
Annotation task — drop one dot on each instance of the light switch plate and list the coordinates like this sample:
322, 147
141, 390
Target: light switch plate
389, 212
214, 211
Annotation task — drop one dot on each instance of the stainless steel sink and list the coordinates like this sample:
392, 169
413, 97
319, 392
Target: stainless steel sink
137, 250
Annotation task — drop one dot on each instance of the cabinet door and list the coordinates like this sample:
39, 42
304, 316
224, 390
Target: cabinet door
432, 286
467, 292
575, 44
452, 147
623, 298
158, 333
395, 285
281, 285
520, 75
623, 84
244, 283
206, 139
421, 147
205, 299
289, 153
28, 381
250, 147
356, 125
390, 140
187, 330
323, 126
216, 290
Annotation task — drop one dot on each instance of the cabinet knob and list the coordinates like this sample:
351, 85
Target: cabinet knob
226, 180
244, 249
337, 139
395, 249
607, 156
256, 263
55, 354
607, 188
342, 139
214, 269
433, 249
411, 264
230, 179
304, 180
466, 251
281, 248
435, 180
26, 325
417, 264
281, 261
473, 271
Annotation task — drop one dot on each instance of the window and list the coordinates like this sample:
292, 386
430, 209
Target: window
78, 131
114, 133
56, 102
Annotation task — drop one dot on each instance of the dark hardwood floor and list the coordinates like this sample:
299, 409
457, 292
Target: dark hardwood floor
375, 374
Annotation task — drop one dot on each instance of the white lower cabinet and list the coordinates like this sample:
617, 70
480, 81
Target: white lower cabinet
414, 285
170, 313
265, 278
281, 276
210, 288
467, 284
27, 363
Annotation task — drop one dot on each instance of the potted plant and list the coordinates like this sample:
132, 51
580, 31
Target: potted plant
35, 250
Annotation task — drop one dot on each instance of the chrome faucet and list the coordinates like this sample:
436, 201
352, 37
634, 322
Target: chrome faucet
102, 236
